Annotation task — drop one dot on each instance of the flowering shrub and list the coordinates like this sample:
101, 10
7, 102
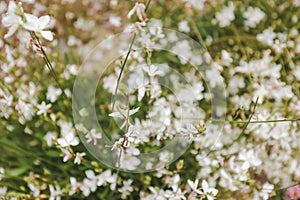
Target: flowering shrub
188, 99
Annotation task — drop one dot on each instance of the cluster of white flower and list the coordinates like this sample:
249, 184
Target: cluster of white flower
16, 17
157, 97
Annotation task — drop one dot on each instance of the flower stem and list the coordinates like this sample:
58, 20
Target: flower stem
122, 69
124, 63
47, 62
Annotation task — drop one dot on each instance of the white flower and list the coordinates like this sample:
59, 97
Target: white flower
3, 191
28, 1
214, 77
53, 93
43, 108
117, 144
90, 183
153, 70
183, 26
129, 162
110, 83
93, 136
137, 81
25, 109
83, 112
226, 59
183, 50
296, 2
267, 188
107, 177
74, 185
267, 36
194, 185
67, 154
127, 188
139, 8
115, 20
253, 16
11, 19
208, 191
1, 173
157, 32
68, 140
197, 4
297, 72
65, 127
54, 192
38, 25
122, 113
249, 158
179, 194
79, 157
226, 15
35, 190
49, 137
164, 156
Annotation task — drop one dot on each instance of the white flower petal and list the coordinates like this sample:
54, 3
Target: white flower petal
11, 31
31, 23
209, 197
44, 22
47, 35
12, 6
115, 115
131, 12
10, 20
75, 142
205, 186
133, 111
90, 174
62, 142
141, 93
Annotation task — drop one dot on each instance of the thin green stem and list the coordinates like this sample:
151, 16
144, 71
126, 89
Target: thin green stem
239, 40
198, 34
125, 60
147, 5
259, 122
116, 90
250, 117
124, 137
243, 122
47, 62
122, 69
244, 128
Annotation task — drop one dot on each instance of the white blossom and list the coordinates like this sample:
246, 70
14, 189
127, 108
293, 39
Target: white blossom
79, 157
38, 25
55, 192
139, 8
43, 108
53, 93
253, 16
183, 26
226, 15
50, 137
267, 36
12, 20
68, 140
209, 192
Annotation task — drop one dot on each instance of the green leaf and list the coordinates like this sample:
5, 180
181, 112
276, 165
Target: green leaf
16, 171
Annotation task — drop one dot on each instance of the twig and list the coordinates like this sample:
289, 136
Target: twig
124, 63
122, 69
244, 128
47, 62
